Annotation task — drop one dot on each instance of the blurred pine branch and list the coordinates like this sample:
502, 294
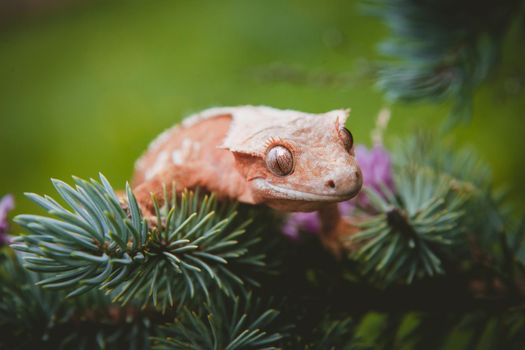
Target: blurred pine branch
441, 50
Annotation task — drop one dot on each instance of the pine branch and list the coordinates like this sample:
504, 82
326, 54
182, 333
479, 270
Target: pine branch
421, 330
495, 238
471, 330
196, 243
412, 227
332, 334
441, 203
441, 50
223, 323
402, 241
461, 165
34, 318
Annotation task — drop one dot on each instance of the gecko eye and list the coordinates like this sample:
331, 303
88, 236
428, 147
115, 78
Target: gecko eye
347, 138
279, 160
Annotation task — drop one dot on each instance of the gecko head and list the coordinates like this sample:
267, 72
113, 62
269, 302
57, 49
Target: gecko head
295, 161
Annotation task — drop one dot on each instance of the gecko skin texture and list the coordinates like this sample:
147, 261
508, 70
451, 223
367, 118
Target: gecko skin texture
288, 160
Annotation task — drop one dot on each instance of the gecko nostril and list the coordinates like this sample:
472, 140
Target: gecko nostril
330, 183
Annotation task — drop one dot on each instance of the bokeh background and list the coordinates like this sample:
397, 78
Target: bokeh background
85, 85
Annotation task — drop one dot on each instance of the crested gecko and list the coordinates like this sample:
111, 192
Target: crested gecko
288, 160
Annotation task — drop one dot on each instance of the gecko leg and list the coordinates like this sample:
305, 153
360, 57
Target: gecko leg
334, 228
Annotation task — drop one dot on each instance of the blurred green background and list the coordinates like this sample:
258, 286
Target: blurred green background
85, 86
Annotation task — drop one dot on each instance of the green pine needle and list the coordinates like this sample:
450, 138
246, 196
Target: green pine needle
441, 50
405, 239
223, 323
35, 318
195, 243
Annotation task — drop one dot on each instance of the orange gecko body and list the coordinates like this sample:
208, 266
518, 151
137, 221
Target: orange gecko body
191, 157
288, 160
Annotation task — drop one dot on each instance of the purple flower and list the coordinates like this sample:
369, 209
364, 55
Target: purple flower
376, 166
346, 208
309, 222
301, 222
7, 203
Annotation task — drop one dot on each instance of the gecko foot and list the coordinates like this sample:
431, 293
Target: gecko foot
335, 240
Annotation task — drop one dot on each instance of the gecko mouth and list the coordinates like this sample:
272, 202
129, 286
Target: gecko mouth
286, 193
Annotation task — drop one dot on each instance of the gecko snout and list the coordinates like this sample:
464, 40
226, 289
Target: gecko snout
346, 182
330, 183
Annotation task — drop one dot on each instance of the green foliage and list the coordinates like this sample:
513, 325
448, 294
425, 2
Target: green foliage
191, 278
459, 329
407, 233
34, 318
462, 165
337, 334
195, 243
404, 239
441, 50
229, 324
440, 230
117, 263
495, 233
